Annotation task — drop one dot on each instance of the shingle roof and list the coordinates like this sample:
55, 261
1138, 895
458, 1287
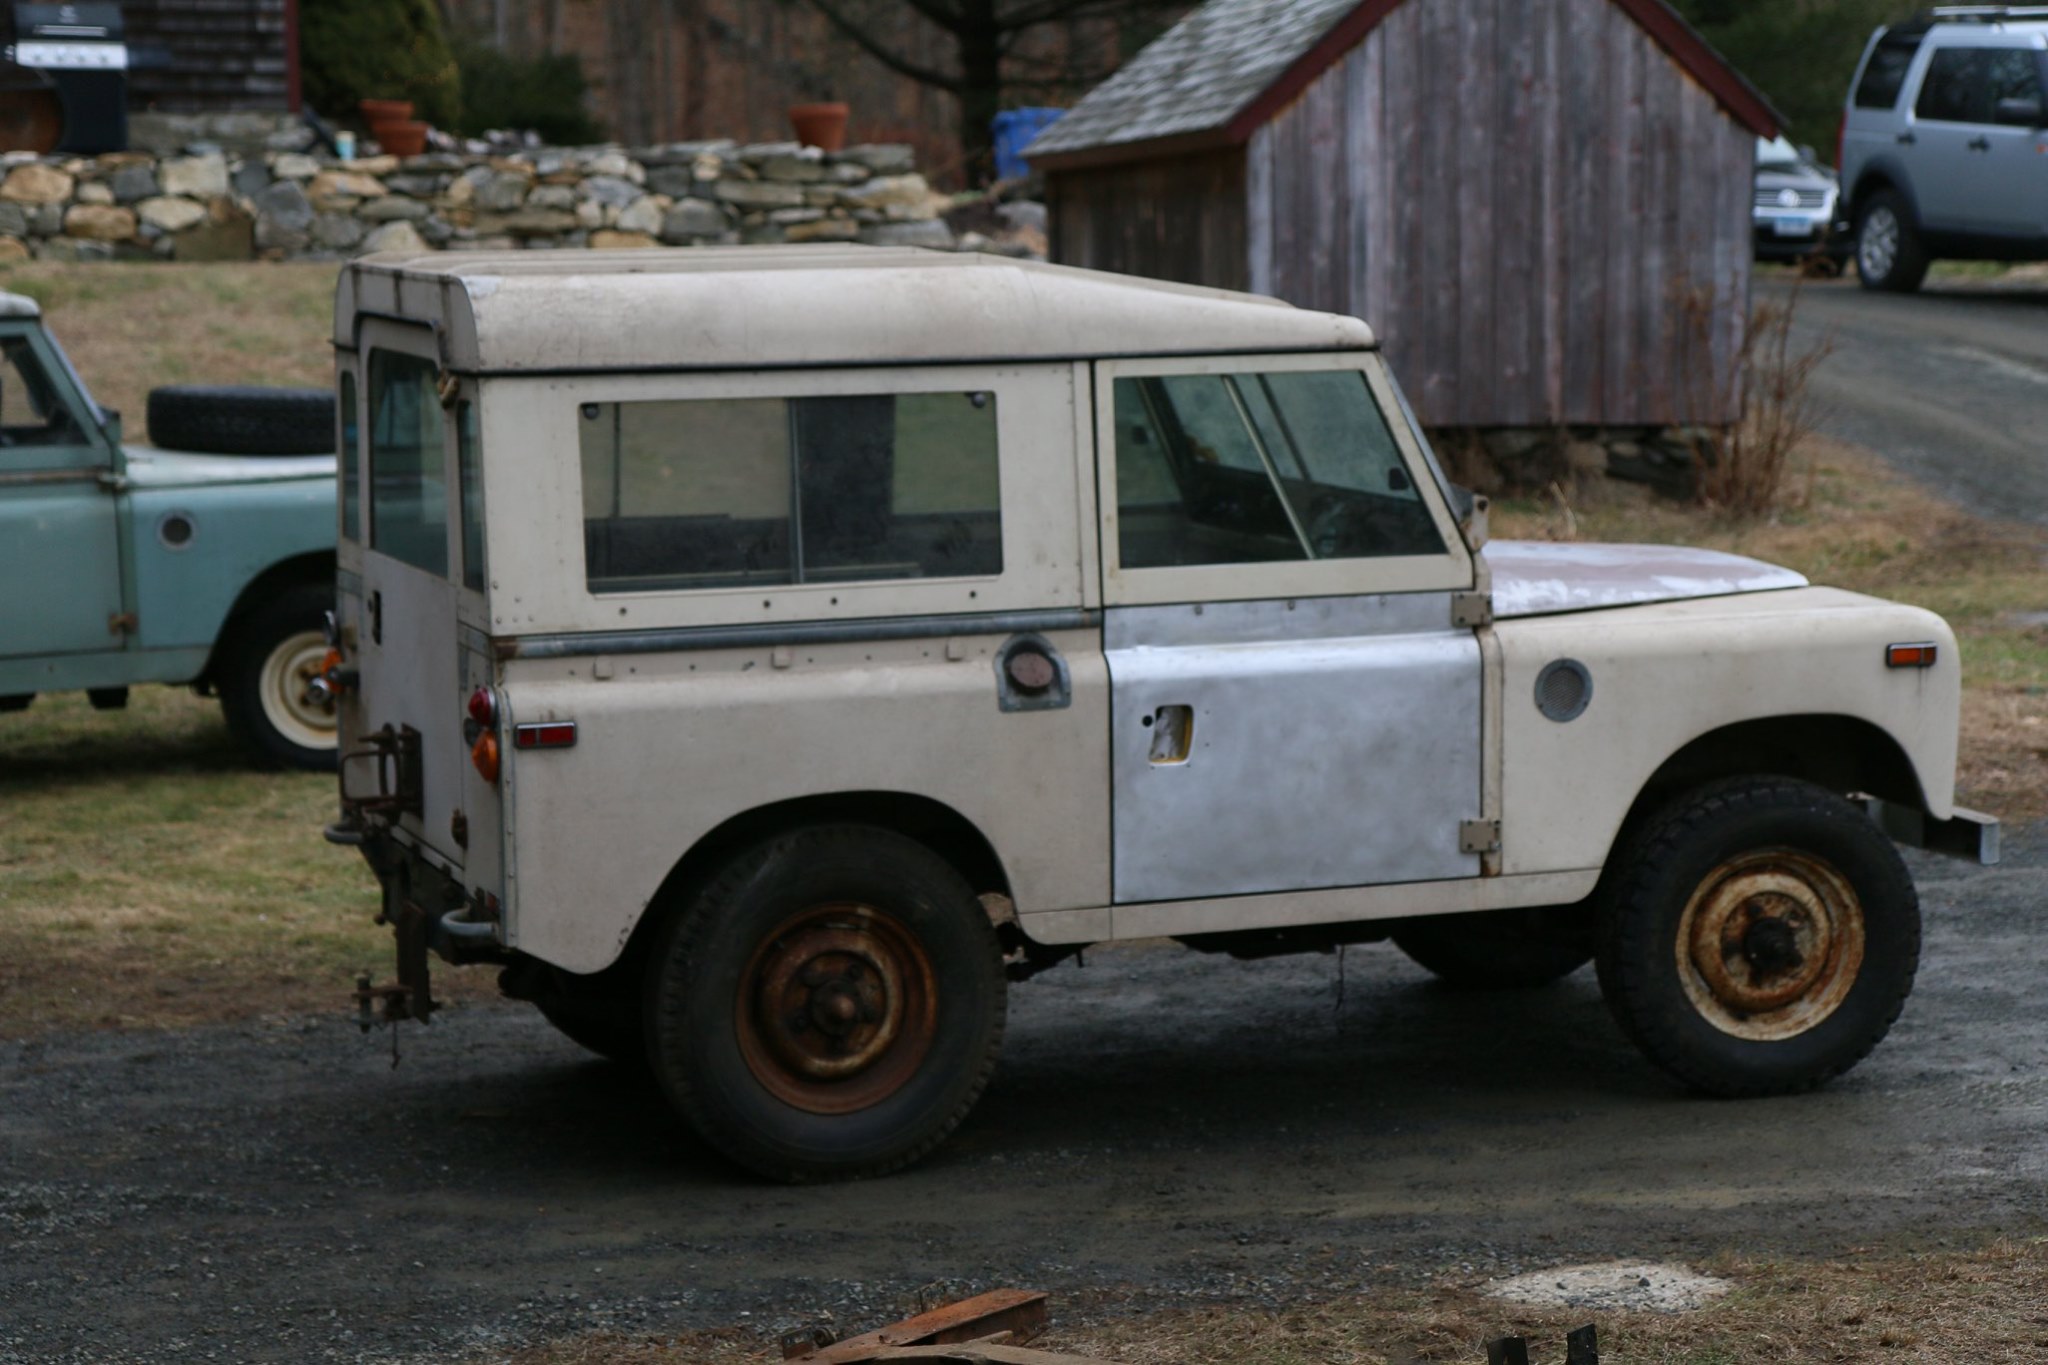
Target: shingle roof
1232, 63
1197, 75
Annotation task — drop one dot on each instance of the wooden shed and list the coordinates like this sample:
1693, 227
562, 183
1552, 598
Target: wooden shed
1542, 206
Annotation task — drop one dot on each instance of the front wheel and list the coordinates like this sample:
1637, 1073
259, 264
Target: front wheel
829, 1004
265, 674
1761, 937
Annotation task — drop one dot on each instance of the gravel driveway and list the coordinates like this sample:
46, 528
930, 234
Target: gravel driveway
1165, 1127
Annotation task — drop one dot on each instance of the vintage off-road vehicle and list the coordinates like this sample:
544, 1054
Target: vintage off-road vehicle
766, 656
205, 559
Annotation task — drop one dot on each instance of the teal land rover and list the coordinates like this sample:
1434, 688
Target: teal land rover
210, 565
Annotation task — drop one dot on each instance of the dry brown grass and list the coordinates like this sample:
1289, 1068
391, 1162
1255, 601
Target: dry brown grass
1863, 527
1987, 1306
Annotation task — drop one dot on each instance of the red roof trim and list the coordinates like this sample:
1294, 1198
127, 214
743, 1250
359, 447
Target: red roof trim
1344, 35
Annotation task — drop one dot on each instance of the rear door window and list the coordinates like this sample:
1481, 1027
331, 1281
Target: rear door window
1885, 74
735, 492
1957, 88
408, 462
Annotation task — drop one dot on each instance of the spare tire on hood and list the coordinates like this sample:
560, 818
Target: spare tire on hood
242, 420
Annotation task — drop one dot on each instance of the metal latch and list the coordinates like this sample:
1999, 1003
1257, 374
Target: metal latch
123, 623
1470, 610
1479, 836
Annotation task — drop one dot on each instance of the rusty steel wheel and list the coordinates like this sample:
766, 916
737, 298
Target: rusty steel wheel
837, 1009
826, 1004
1759, 937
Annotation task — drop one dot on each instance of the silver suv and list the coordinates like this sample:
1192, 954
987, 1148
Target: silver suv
1945, 143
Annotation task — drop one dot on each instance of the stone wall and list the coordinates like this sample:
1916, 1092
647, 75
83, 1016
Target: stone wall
215, 202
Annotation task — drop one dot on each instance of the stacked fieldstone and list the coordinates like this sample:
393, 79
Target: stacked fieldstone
212, 204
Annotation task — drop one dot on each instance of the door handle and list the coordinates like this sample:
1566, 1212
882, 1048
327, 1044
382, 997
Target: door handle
1980, 143
376, 618
1908, 139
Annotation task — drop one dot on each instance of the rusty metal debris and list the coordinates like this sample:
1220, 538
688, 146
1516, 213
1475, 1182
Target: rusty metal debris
987, 1329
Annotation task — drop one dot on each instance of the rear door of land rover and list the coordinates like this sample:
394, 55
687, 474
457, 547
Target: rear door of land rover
410, 754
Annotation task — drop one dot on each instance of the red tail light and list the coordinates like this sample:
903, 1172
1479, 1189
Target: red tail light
483, 707
1842, 143
545, 734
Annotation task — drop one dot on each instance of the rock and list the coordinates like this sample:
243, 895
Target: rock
683, 153
374, 165
930, 232
763, 234
463, 188
792, 217
755, 153
436, 230
133, 183
294, 166
92, 192
74, 249
227, 234
848, 173
644, 215
343, 189
168, 214
760, 194
502, 192
336, 231
618, 241
692, 220
887, 190
883, 158
490, 243
609, 190
416, 185
46, 220
100, 222
434, 161
805, 167
250, 178
398, 236
590, 214
1586, 457
530, 223
290, 139
552, 197
824, 230
199, 177
13, 220
1026, 215
392, 208
13, 249
286, 205
821, 196
36, 184
615, 164
674, 181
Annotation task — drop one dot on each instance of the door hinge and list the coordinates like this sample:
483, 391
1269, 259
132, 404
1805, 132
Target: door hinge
1471, 610
123, 623
1479, 836
111, 481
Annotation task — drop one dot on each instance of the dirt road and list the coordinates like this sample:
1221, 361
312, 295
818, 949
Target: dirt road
1165, 1127
1949, 384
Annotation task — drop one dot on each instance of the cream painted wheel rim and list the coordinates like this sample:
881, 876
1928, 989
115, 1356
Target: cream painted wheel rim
1770, 944
284, 688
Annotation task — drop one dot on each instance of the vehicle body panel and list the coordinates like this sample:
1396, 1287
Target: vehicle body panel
1540, 578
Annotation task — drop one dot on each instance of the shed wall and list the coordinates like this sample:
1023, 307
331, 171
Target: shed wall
1176, 218
1544, 217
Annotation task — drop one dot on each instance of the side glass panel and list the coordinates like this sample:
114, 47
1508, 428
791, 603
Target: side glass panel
408, 464
1956, 89
470, 479
351, 463
1886, 74
32, 408
715, 493
1258, 468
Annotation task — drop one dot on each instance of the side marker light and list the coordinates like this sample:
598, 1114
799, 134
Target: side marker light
1909, 656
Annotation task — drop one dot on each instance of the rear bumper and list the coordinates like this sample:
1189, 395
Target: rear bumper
1969, 834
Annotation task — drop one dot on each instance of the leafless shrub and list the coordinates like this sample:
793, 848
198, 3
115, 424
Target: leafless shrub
1764, 383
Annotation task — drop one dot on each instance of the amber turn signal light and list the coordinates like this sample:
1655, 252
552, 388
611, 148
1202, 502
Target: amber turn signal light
1909, 656
484, 754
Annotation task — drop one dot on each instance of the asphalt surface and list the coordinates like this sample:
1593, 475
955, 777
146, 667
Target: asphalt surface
1165, 1128
1949, 384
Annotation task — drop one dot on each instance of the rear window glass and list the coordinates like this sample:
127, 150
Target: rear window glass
1885, 75
408, 462
470, 478
351, 463
730, 492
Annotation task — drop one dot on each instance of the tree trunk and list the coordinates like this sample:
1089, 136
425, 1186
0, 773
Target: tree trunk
979, 39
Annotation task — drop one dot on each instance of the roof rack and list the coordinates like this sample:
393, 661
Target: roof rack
1983, 14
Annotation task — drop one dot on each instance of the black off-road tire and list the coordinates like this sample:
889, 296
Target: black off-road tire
764, 914
1890, 257
242, 420
261, 665
1712, 848
1500, 950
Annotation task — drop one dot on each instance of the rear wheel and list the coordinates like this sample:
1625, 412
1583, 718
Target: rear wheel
1500, 949
1761, 937
1889, 256
829, 1004
265, 673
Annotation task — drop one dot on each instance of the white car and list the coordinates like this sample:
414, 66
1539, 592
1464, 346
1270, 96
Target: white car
768, 656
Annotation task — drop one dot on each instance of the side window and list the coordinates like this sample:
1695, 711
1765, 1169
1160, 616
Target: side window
1258, 468
1957, 88
408, 462
469, 478
351, 463
1885, 76
729, 492
32, 407
2011, 73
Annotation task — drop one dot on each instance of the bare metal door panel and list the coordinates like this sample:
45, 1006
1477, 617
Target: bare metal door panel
1283, 746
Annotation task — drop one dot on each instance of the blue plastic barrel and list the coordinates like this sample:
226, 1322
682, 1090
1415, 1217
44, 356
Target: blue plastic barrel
1014, 129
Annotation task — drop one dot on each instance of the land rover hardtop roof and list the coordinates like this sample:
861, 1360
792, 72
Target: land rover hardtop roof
727, 308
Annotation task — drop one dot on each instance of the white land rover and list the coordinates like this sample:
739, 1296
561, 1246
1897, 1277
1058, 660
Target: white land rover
766, 656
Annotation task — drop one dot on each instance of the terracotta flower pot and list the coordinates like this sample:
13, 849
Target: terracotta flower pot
819, 125
402, 137
385, 111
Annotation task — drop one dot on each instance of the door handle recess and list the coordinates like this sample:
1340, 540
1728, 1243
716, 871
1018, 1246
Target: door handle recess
1980, 144
1908, 139
1173, 734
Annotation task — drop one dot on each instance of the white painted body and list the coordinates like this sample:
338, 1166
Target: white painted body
1340, 690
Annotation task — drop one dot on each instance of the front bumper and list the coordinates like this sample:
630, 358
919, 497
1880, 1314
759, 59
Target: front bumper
1970, 834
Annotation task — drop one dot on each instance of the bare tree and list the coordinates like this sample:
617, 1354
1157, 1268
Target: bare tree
1000, 47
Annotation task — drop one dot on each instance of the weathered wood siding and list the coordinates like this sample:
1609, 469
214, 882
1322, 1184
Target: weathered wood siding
1176, 218
1542, 214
